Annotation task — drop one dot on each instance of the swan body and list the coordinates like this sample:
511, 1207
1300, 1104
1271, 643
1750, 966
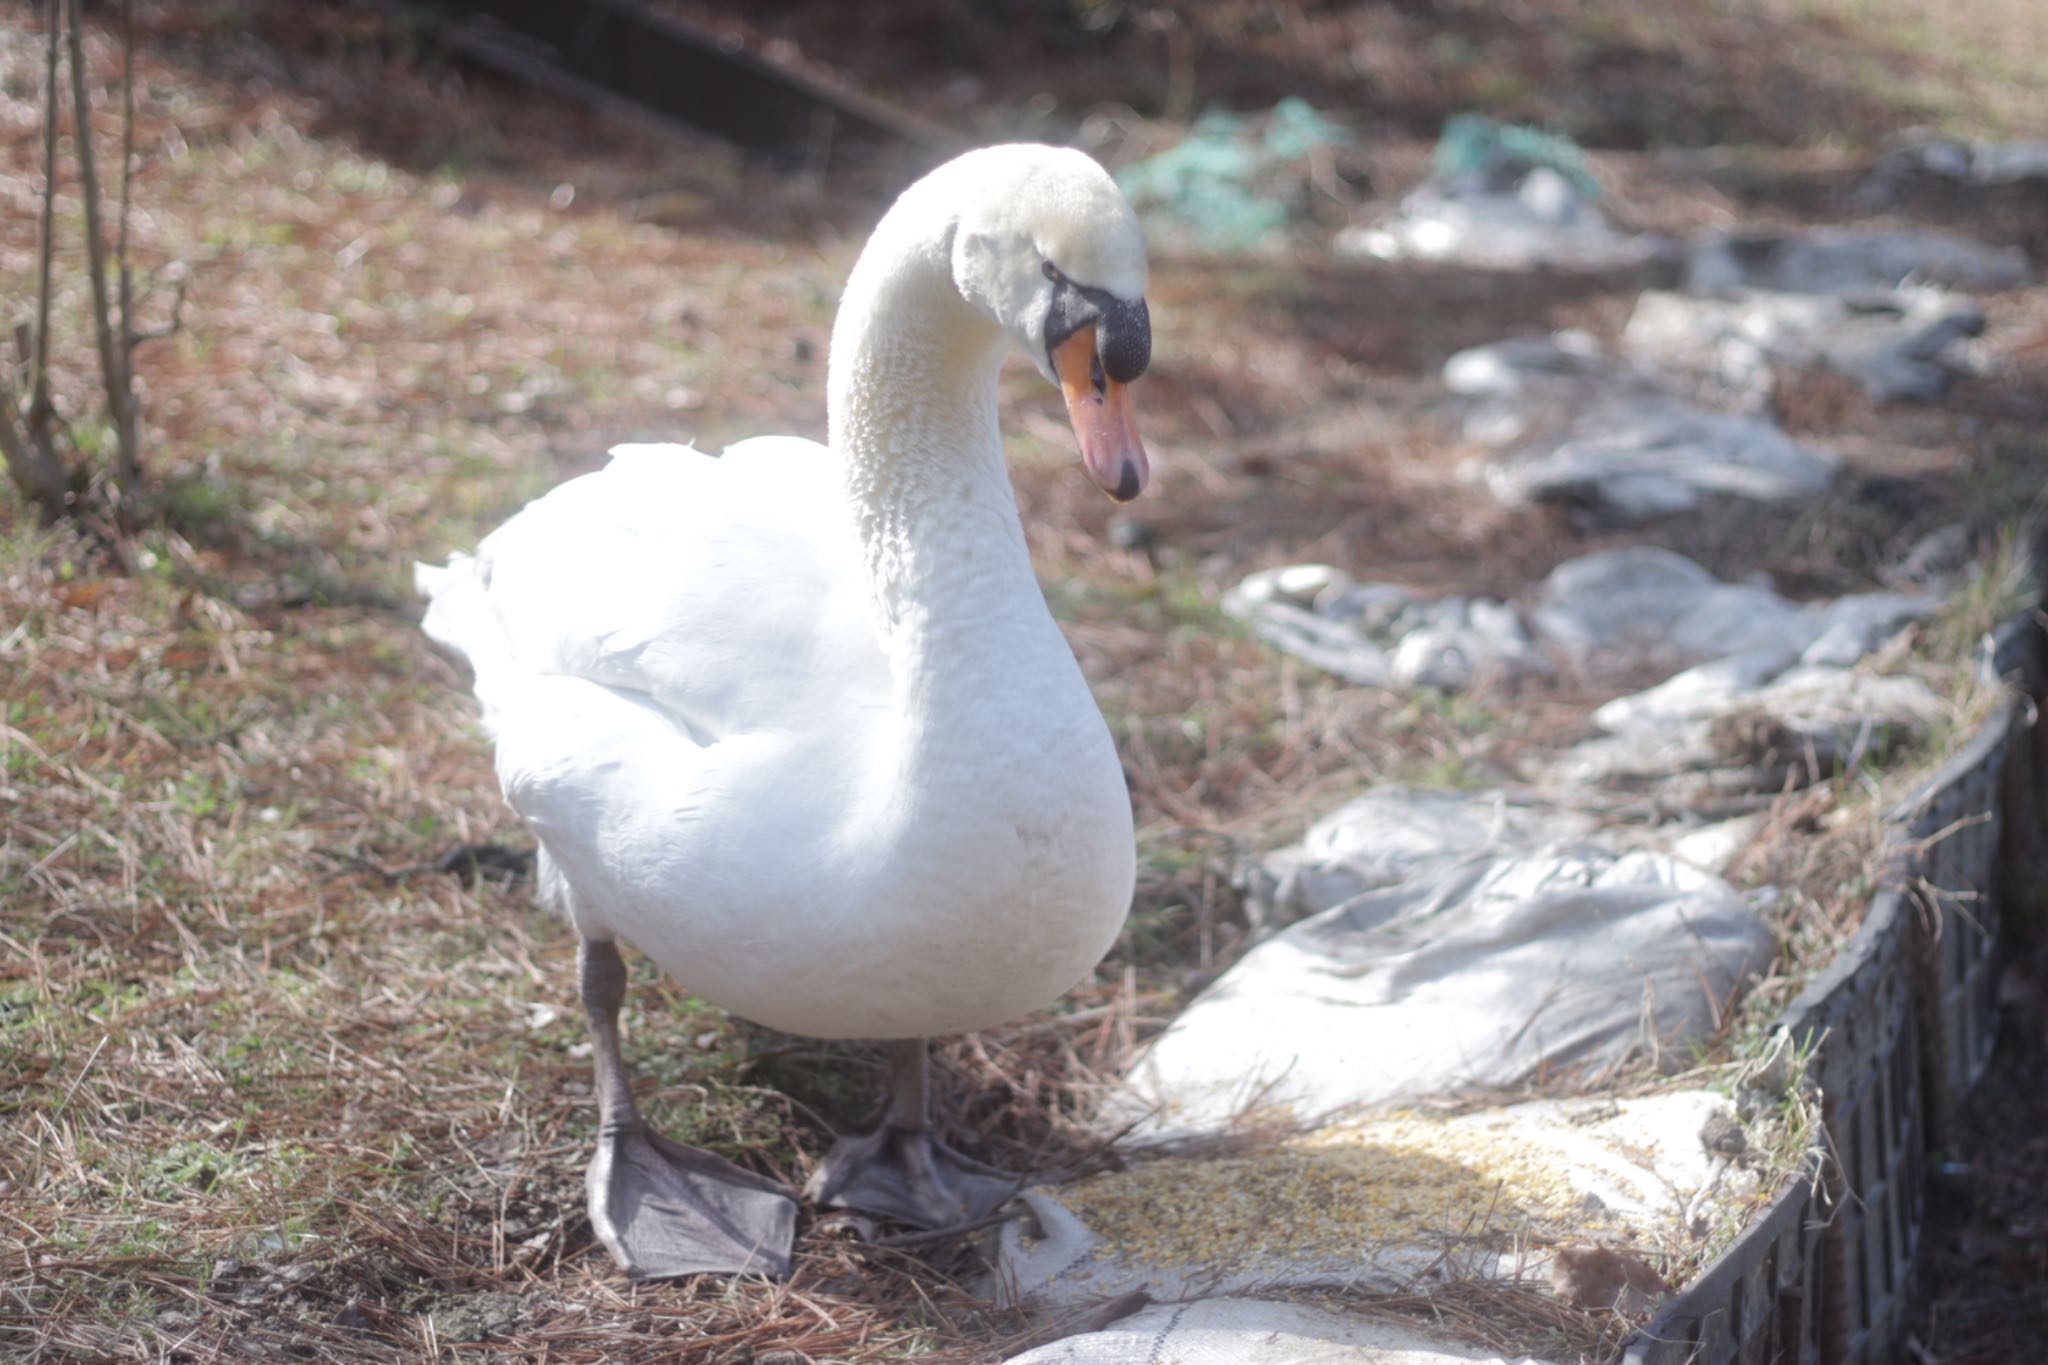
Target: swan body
698, 718
795, 720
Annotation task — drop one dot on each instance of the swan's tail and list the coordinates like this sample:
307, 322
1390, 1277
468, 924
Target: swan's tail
459, 616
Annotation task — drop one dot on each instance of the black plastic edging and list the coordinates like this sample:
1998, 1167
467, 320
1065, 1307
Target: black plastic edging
1901, 1025
1737, 1309
1954, 825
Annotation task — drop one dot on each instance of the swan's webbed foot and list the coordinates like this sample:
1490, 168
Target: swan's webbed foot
901, 1170
909, 1175
663, 1209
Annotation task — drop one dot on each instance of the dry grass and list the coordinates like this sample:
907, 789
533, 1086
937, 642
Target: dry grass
261, 1101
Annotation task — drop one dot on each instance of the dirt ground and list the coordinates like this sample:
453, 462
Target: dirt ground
274, 1085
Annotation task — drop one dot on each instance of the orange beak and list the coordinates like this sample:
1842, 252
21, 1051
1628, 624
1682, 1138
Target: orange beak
1100, 408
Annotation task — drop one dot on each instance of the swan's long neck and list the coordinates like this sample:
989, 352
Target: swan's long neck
975, 659
913, 416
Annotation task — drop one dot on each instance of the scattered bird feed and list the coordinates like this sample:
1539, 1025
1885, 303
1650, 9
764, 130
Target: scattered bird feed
1378, 1201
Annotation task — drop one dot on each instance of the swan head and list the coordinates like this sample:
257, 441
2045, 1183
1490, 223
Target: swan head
1050, 249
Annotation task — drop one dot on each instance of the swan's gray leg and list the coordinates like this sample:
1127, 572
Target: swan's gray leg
900, 1170
660, 1208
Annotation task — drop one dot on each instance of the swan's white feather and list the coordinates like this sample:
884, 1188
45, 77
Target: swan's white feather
727, 589
819, 751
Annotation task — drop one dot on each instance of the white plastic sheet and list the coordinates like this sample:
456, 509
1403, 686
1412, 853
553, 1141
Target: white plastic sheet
1485, 973
1541, 220
1908, 343
1848, 261
1381, 635
1391, 835
1640, 606
1633, 458
1241, 1331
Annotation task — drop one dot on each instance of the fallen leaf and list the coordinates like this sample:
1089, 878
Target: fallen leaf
83, 595
1606, 1280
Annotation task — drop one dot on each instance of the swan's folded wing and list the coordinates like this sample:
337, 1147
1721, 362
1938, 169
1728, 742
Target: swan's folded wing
728, 590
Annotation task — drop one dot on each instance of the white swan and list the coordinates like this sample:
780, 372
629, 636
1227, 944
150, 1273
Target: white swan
795, 721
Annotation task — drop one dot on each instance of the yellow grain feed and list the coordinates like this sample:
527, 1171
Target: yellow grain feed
1401, 1180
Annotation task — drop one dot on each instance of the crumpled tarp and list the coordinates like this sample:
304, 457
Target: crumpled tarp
1567, 361
1909, 343
1969, 161
1788, 671
1632, 458
1541, 221
1632, 608
1246, 1331
1747, 724
1391, 835
1847, 261
1581, 427
1381, 635
1489, 971
1641, 606
1506, 198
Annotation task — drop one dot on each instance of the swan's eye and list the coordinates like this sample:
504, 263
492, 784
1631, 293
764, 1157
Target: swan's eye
1052, 272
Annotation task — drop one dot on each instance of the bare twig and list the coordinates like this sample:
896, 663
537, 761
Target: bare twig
127, 138
113, 359
127, 283
919, 1238
39, 363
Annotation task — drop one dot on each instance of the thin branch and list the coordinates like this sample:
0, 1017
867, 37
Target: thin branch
39, 362
129, 337
127, 147
113, 359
